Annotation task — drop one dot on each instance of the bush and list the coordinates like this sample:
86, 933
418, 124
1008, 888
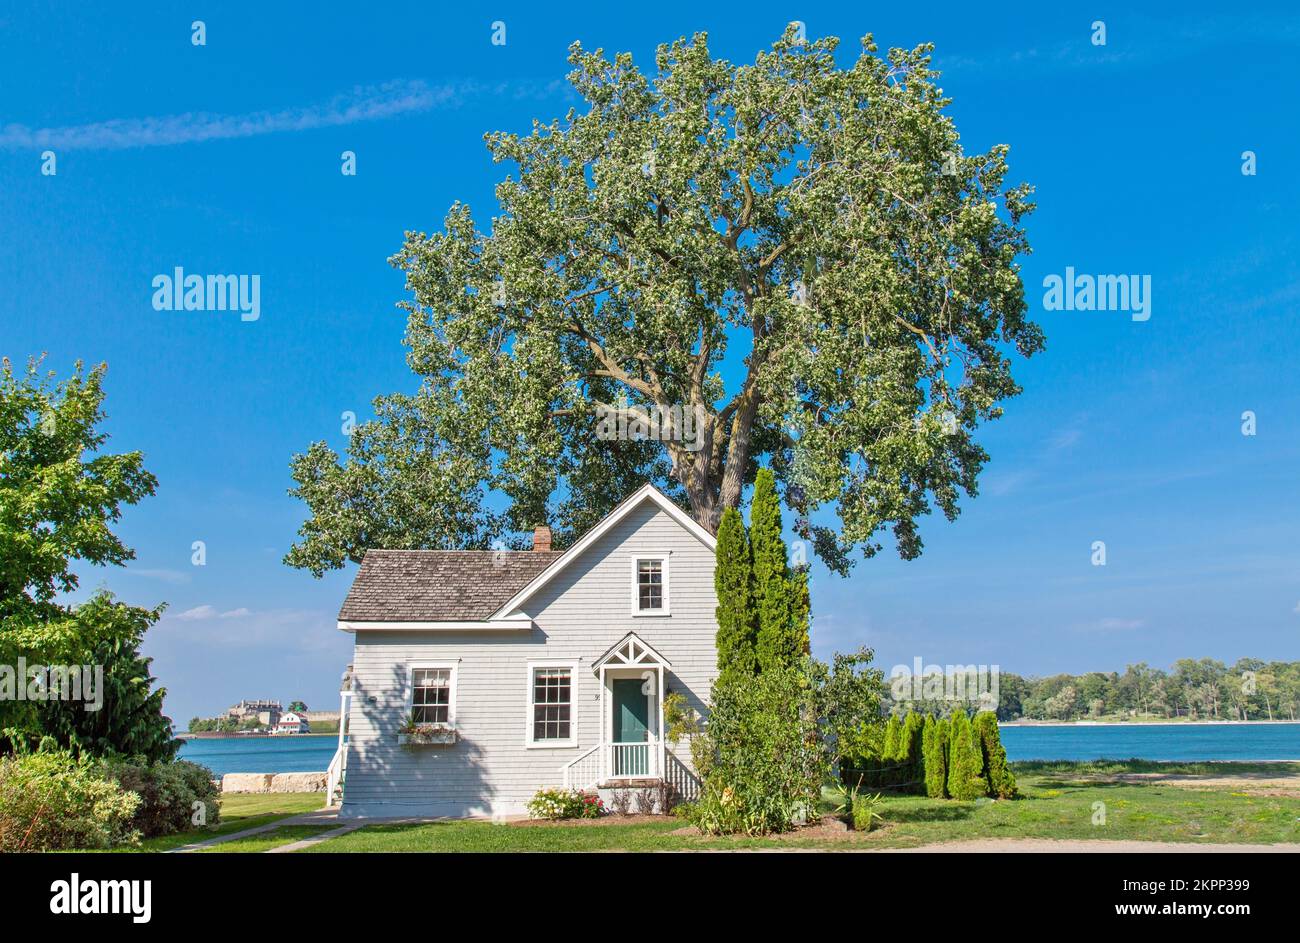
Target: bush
1001, 781
168, 791
934, 749
965, 762
565, 804
866, 812
50, 801
762, 762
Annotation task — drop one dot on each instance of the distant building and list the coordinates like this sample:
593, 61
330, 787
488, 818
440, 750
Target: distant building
268, 712
292, 723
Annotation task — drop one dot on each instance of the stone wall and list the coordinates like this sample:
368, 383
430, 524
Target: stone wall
273, 782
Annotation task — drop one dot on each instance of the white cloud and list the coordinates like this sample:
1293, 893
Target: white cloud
363, 103
197, 613
236, 613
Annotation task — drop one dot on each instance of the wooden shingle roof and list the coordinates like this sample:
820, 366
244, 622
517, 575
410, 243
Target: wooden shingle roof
439, 585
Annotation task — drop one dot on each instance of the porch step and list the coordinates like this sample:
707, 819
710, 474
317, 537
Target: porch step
626, 783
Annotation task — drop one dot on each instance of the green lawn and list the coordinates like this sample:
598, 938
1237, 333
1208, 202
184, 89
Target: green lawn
268, 840
238, 812
1060, 801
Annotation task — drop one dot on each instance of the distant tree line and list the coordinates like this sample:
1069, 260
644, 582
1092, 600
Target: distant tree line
1249, 689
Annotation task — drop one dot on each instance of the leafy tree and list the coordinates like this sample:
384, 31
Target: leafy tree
733, 582
130, 720
997, 774
965, 763
814, 233
297, 707
60, 494
934, 740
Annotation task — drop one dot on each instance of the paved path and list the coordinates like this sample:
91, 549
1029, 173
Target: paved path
313, 840
323, 816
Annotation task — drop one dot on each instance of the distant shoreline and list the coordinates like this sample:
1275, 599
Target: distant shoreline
214, 735
1141, 723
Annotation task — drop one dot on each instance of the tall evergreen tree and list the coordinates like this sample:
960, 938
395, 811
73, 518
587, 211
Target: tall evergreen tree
910, 748
965, 763
934, 738
801, 612
733, 580
774, 590
1001, 781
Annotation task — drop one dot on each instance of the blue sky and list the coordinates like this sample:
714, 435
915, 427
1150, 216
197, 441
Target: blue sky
225, 158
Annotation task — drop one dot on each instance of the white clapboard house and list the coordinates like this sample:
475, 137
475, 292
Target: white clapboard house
480, 677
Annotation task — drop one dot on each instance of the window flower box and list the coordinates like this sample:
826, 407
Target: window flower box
426, 735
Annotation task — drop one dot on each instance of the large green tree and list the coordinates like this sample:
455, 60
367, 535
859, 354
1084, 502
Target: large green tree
798, 252
60, 494
779, 598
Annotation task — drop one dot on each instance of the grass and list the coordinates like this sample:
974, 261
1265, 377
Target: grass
1060, 801
238, 812
265, 841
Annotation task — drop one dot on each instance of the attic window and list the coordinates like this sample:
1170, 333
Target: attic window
650, 586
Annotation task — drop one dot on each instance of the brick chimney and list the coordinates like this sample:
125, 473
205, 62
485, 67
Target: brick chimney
542, 539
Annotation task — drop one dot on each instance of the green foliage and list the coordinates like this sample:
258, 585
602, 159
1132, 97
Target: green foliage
60, 494
997, 774
866, 812
223, 724
641, 235
848, 705
934, 748
733, 580
169, 793
565, 804
51, 801
889, 746
764, 760
297, 707
130, 720
965, 762
910, 749
779, 642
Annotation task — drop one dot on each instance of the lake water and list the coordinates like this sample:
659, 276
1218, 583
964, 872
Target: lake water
1112, 741
1155, 742
285, 754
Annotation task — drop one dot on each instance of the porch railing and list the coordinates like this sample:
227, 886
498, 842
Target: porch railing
334, 777
633, 760
607, 761
585, 771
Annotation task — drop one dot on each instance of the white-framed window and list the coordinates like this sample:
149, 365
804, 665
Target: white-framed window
552, 705
650, 584
432, 697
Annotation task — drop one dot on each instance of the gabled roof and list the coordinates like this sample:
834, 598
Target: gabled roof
631, 651
646, 492
439, 585
474, 589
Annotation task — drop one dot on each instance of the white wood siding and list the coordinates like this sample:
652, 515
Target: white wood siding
582, 613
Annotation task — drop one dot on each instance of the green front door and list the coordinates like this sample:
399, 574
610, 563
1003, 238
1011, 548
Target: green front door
631, 723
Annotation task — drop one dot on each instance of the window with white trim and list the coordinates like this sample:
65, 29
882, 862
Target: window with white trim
552, 704
650, 585
431, 690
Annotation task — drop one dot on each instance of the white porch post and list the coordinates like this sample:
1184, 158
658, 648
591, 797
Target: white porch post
604, 728
663, 736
